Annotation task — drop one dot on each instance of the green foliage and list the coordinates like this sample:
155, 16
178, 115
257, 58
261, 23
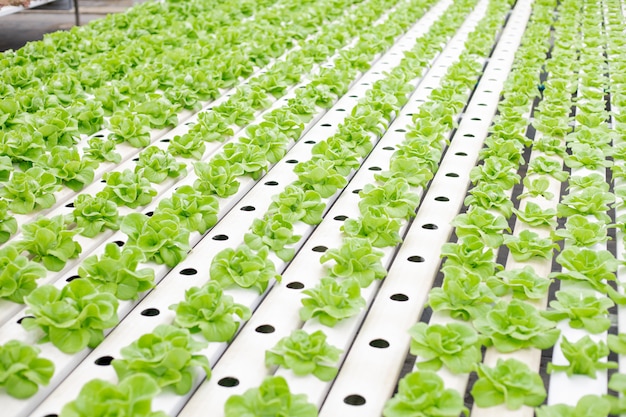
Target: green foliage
332, 300
22, 370
243, 267
93, 214
50, 242
584, 356
356, 259
17, 274
127, 188
30, 190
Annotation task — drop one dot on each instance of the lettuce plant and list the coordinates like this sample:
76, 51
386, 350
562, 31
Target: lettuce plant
356, 259
168, 355
510, 326
17, 274
344, 159
30, 190
89, 114
548, 166
394, 197
271, 398
207, 310
523, 284
22, 371
332, 300
131, 396
156, 165
160, 112
197, 211
584, 357
187, 146
243, 267
537, 187
274, 233
66, 165
496, 171
422, 394
409, 168
592, 267
590, 201
510, 382
8, 223
483, 224
463, 294
617, 383
295, 204
93, 214
215, 126
131, 127
71, 318
528, 245
161, 237
587, 406
583, 309
587, 156
455, 345
472, 255
490, 197
115, 271
534, 215
376, 226
271, 141
217, 177
249, 158
50, 242
305, 354
319, 175
102, 150
581, 232
127, 188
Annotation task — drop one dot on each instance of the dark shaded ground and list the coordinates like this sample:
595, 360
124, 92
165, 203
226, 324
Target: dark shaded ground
30, 25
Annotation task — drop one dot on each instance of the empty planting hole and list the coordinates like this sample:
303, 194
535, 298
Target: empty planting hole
341, 110
452, 175
488, 91
326, 125
340, 218
98, 136
119, 243
190, 123
135, 159
70, 205
291, 161
265, 329
104, 360
228, 382
476, 119
356, 191
72, 278
430, 226
379, 343
353, 96
401, 130
375, 168
319, 249
247, 208
460, 154
189, 271
441, 198
365, 83
150, 213
165, 140
295, 285
220, 237
399, 297
271, 183
150, 312
388, 148
482, 104
415, 258
51, 415
468, 135
25, 317
354, 399
310, 142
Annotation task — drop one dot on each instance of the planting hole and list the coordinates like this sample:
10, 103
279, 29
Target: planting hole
150, 213
326, 125
399, 297
452, 175
98, 136
228, 382
460, 154
401, 130
150, 312
375, 168
319, 249
341, 110
189, 271
291, 161
70, 205
247, 208
190, 123
415, 258
340, 218
353, 96
441, 198
265, 329
356, 191
165, 140
295, 285
135, 159
388, 148
271, 183
365, 83
119, 243
72, 278
220, 237
379, 343
104, 360
430, 226
25, 317
482, 104
354, 399
469, 135
51, 415
310, 142
476, 119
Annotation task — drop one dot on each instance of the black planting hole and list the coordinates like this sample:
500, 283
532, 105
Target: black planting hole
340, 218
341, 110
388, 148
72, 278
309, 142
482, 104
189, 271
441, 198
319, 249
165, 140
150, 213
265, 329
190, 123
295, 285
271, 183
460, 154
375, 168
379, 343
326, 125
135, 159
415, 258
150, 312
70, 205
399, 297
356, 191
400, 130
365, 83
488, 91
452, 175
476, 119
291, 161
247, 208
119, 243
353, 96
228, 382
104, 360
51, 415
25, 317
103, 181
98, 135
354, 399
469, 135
220, 237
430, 226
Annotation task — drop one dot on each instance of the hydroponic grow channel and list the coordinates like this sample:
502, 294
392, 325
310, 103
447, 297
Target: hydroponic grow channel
337, 207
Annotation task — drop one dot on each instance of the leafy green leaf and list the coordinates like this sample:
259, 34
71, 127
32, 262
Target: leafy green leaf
17, 274
243, 267
332, 300
583, 309
584, 357
356, 259
22, 370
